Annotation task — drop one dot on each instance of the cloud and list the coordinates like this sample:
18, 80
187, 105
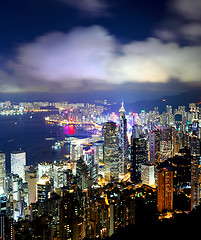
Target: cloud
81, 54
188, 9
91, 58
191, 31
92, 7
183, 22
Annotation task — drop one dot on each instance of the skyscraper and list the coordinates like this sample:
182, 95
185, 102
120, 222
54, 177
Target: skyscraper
195, 157
195, 187
123, 142
18, 161
165, 190
2, 170
154, 146
167, 142
138, 157
147, 173
43, 188
111, 152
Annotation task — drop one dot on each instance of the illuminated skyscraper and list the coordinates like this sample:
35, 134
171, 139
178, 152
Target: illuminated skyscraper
138, 157
195, 186
18, 162
2, 170
165, 190
45, 168
123, 142
154, 146
111, 152
167, 142
147, 173
43, 188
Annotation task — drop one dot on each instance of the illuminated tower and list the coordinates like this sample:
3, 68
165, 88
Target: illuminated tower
123, 141
138, 157
165, 190
2, 170
154, 146
195, 186
18, 162
111, 152
167, 142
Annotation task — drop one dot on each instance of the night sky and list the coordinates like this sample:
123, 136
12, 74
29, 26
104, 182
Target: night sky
141, 48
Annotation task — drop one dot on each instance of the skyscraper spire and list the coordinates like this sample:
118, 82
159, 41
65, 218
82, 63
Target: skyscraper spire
122, 109
123, 139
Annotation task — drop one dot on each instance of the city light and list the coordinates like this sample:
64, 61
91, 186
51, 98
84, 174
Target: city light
149, 156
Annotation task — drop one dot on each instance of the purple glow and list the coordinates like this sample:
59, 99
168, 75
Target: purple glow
69, 130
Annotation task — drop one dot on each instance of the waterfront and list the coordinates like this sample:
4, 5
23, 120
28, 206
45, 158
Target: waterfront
30, 133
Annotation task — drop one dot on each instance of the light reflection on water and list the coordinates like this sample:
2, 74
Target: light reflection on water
69, 129
34, 137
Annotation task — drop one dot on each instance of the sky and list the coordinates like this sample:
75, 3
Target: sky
142, 49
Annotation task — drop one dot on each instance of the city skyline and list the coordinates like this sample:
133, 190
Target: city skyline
127, 169
144, 47
100, 118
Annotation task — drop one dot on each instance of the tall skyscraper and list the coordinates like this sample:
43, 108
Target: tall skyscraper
195, 186
154, 146
123, 141
32, 180
167, 142
138, 157
18, 162
2, 170
111, 152
165, 190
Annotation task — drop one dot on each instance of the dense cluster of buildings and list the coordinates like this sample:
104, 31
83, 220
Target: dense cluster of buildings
143, 161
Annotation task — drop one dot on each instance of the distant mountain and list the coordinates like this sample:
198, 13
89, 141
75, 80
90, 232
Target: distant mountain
182, 99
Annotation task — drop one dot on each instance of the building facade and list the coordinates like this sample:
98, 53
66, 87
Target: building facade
111, 152
18, 162
165, 190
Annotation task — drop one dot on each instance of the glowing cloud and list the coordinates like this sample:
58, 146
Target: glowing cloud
70, 60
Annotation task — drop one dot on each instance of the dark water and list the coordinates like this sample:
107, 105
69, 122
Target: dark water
29, 132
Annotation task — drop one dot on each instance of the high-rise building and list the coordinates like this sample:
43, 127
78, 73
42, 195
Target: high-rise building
58, 174
6, 228
194, 110
138, 157
111, 152
44, 168
82, 173
15, 183
147, 173
32, 180
43, 188
195, 158
195, 186
2, 170
18, 162
154, 146
165, 190
167, 142
123, 141
112, 218
195, 145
